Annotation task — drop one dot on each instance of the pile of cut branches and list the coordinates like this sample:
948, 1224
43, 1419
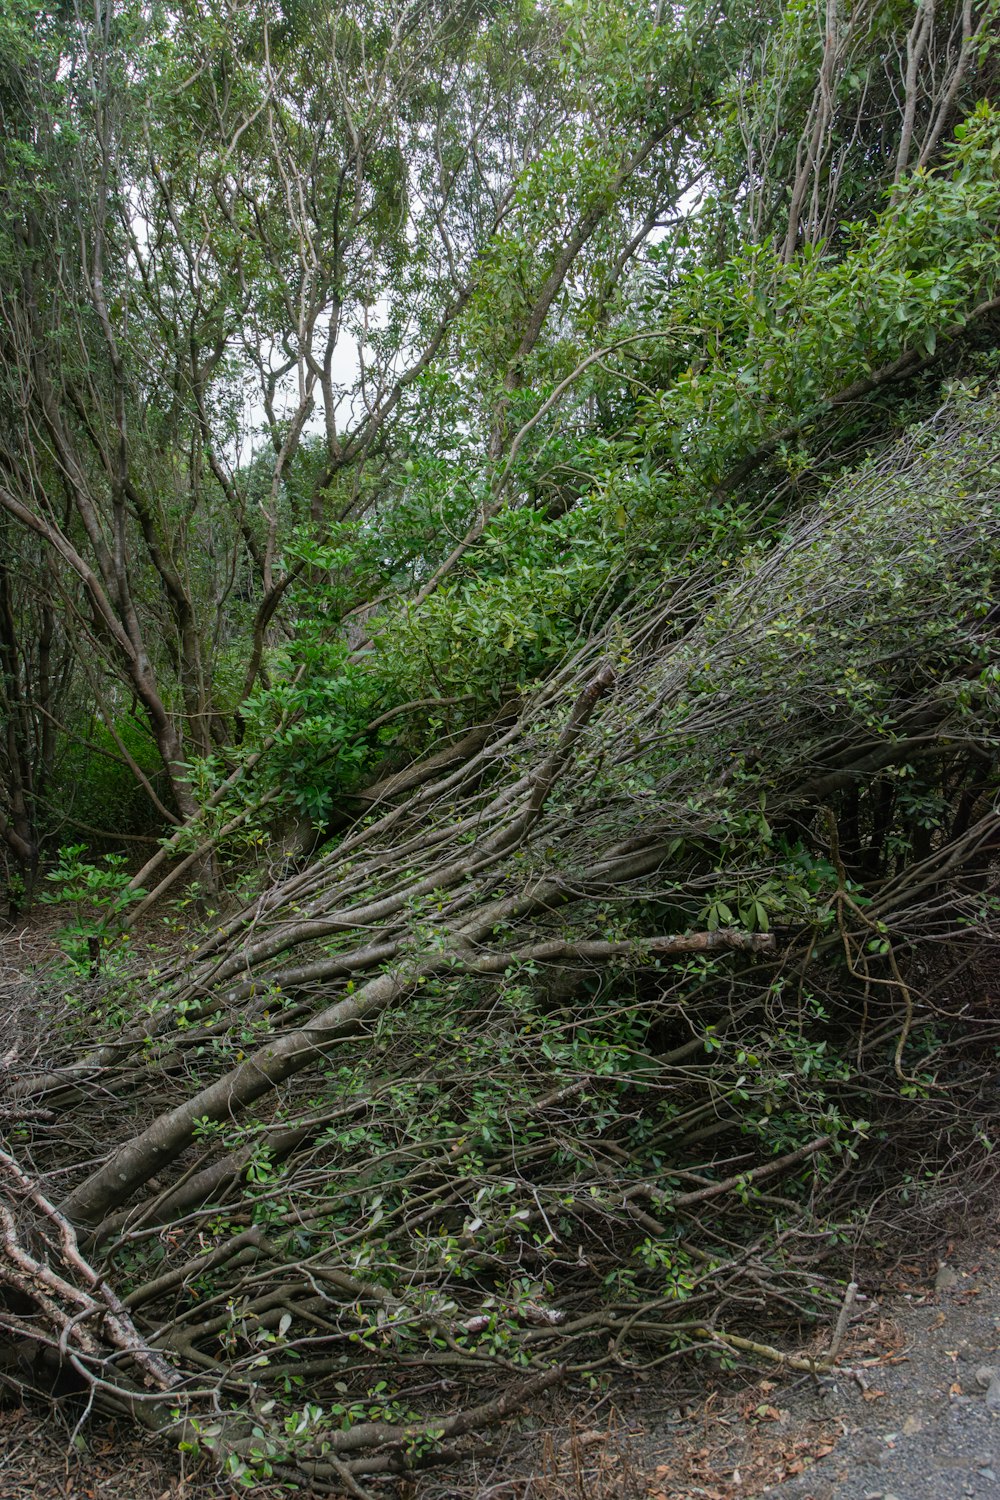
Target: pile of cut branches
588, 1054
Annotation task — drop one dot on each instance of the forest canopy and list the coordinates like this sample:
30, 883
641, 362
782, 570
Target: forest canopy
499, 538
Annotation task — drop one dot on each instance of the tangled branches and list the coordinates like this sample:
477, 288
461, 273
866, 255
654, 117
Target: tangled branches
585, 1053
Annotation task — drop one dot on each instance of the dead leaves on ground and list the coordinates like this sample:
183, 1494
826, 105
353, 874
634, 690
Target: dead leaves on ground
743, 1444
756, 1446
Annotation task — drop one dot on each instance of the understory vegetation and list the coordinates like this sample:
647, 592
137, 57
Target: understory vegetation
499, 546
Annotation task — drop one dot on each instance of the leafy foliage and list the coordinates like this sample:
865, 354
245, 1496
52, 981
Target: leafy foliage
528, 474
